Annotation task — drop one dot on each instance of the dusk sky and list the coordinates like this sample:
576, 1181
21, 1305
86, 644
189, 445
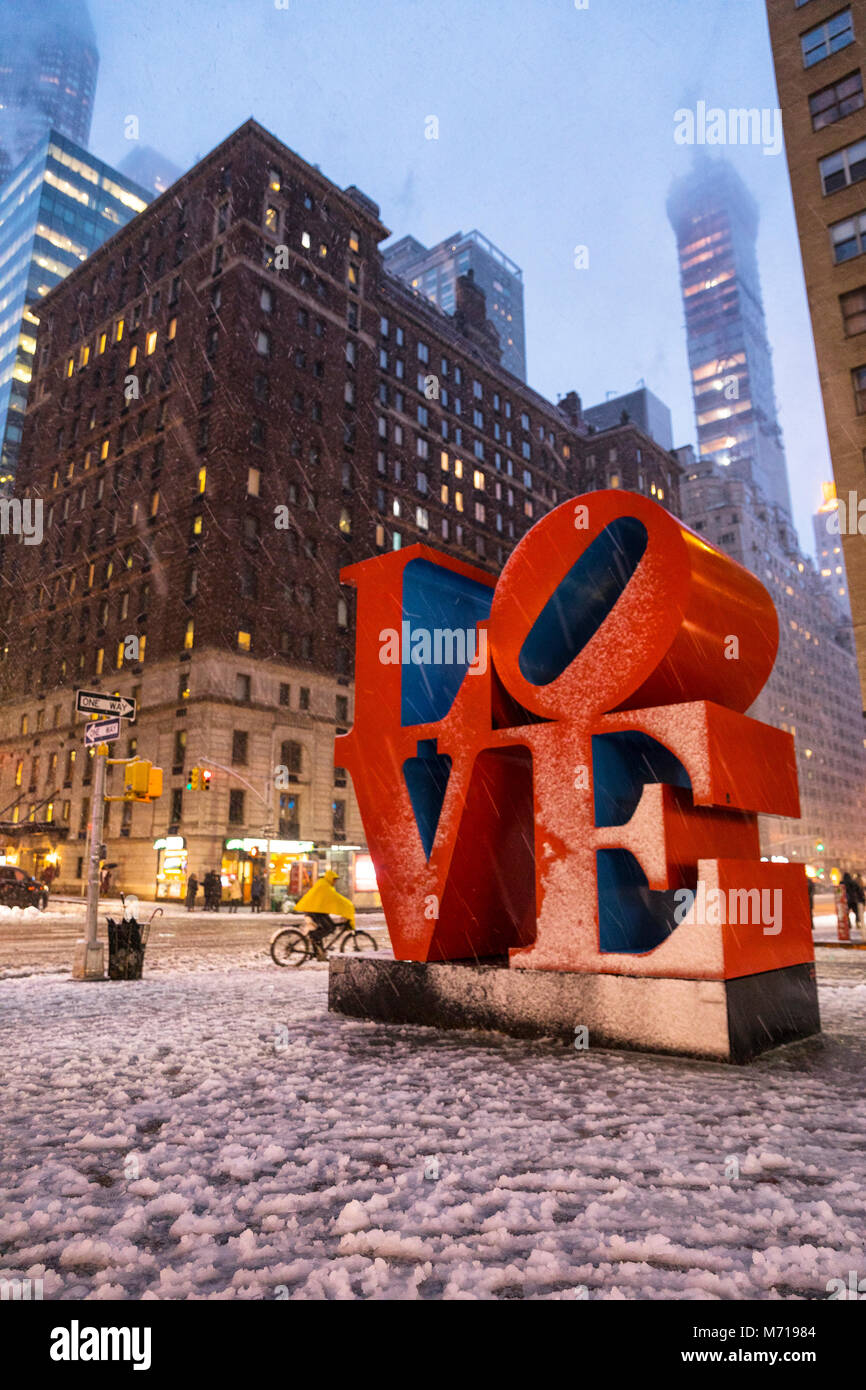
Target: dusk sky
556, 129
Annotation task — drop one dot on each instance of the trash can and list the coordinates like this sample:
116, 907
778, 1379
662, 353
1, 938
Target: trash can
127, 940
125, 949
279, 892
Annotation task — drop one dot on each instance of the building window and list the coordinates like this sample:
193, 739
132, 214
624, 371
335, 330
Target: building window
240, 746
839, 99
848, 238
858, 377
236, 806
291, 754
263, 344
843, 168
853, 306
243, 692
827, 38
285, 691
304, 697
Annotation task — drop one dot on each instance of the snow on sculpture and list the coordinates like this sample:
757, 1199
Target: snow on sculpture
560, 802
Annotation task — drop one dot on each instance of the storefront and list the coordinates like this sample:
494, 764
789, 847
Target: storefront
171, 867
34, 846
294, 866
357, 876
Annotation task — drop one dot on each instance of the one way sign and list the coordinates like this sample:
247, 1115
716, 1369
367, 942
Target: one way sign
95, 702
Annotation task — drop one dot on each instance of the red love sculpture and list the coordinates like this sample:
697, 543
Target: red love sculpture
560, 766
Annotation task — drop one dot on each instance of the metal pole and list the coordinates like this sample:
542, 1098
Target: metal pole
92, 964
269, 804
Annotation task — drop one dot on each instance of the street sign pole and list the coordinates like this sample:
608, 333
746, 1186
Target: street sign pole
92, 960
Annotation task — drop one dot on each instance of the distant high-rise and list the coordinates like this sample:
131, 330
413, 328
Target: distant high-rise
434, 273
641, 406
715, 219
828, 544
150, 169
48, 66
55, 209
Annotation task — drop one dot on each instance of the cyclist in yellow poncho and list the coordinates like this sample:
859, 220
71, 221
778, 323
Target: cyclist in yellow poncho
321, 899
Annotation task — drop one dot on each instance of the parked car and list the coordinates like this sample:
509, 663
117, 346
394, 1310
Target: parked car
18, 889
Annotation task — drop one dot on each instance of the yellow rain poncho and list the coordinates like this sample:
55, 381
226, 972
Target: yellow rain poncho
323, 897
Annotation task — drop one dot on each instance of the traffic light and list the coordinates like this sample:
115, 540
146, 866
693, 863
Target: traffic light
820, 846
206, 775
192, 781
142, 781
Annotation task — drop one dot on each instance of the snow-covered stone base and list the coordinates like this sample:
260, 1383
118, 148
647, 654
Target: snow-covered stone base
723, 1020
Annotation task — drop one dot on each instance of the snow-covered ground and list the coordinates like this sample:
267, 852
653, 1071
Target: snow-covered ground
212, 1132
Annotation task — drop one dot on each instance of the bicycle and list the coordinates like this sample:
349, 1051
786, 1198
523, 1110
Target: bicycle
292, 946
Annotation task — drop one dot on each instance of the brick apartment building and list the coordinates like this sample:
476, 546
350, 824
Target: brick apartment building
819, 50
233, 400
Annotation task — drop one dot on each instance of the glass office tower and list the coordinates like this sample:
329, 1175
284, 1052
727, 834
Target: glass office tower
434, 274
715, 219
55, 209
48, 67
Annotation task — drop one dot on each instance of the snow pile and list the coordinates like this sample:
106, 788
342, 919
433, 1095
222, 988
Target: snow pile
215, 1133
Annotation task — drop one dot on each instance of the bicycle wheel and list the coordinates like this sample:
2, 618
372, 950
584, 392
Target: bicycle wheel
290, 948
357, 941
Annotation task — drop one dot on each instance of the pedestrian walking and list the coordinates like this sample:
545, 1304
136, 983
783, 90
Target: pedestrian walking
191, 890
208, 886
257, 893
851, 890
861, 900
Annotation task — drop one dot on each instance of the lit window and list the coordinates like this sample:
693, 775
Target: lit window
197, 525
120, 648
458, 468
244, 640
172, 329
354, 243
103, 449
478, 479
150, 346
189, 636
133, 355
70, 366
458, 501
443, 493
202, 479
253, 481
100, 658
118, 330
305, 240
345, 522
